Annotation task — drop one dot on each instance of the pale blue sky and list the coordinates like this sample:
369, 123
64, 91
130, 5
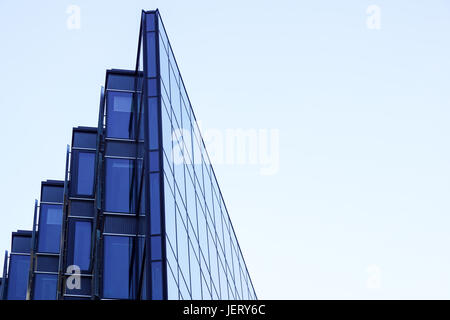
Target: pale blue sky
363, 117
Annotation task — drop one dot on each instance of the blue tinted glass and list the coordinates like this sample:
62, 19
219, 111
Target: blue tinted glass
47, 263
52, 193
157, 284
122, 82
85, 179
119, 173
50, 228
117, 255
153, 122
85, 139
155, 212
81, 208
18, 277
21, 244
151, 54
45, 286
154, 160
152, 89
150, 21
156, 247
118, 114
164, 68
82, 246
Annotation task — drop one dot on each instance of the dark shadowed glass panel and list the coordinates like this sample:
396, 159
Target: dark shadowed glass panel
117, 188
50, 228
85, 139
52, 193
82, 245
117, 255
85, 177
82, 208
21, 244
47, 263
45, 286
118, 113
18, 277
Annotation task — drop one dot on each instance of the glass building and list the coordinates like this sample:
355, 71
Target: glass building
139, 214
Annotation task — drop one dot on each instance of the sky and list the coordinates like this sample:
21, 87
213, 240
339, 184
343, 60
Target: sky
354, 93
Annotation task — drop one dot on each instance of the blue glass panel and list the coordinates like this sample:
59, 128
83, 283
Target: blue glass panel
18, 277
45, 286
50, 228
157, 283
85, 139
154, 160
152, 88
81, 208
85, 178
52, 193
119, 173
151, 54
118, 114
117, 255
47, 263
156, 247
82, 246
150, 21
153, 123
21, 244
169, 209
122, 82
155, 212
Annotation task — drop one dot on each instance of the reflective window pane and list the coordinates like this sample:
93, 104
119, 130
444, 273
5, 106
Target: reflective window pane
45, 286
85, 177
18, 277
119, 173
117, 255
82, 246
50, 228
118, 114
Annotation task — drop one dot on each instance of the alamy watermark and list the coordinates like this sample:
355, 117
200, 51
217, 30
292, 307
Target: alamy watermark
373, 21
253, 147
73, 21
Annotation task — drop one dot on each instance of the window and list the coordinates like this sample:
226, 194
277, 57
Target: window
157, 283
18, 277
117, 255
50, 228
52, 194
45, 286
21, 244
118, 114
119, 173
85, 139
85, 173
82, 244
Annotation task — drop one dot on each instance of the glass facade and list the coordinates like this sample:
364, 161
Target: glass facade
140, 214
19, 265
